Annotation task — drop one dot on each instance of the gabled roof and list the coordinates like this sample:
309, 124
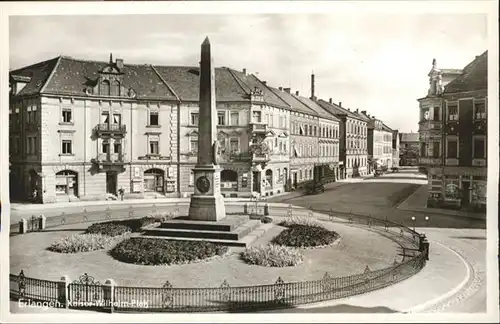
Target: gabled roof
386, 128
249, 82
409, 137
473, 77
363, 116
295, 104
318, 109
185, 82
337, 110
38, 74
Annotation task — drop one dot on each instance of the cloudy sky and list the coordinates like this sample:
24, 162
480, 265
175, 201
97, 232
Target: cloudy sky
373, 62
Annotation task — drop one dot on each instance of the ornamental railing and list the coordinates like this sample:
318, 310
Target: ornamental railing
87, 292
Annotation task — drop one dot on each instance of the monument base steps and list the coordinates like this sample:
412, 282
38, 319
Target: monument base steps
235, 231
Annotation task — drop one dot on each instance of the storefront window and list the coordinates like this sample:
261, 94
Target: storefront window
479, 192
451, 190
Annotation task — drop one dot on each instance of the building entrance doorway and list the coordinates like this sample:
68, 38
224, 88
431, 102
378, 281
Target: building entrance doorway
465, 193
111, 182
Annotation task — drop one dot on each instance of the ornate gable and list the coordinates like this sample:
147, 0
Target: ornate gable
110, 83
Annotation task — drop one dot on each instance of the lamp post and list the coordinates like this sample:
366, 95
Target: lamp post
414, 220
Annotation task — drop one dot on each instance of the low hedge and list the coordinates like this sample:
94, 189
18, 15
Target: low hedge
84, 243
297, 235
151, 251
119, 227
272, 256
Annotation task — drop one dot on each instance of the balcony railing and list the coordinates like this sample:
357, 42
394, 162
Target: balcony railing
110, 128
110, 159
240, 157
260, 157
258, 128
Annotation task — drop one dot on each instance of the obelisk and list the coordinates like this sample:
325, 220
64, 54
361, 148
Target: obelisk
207, 203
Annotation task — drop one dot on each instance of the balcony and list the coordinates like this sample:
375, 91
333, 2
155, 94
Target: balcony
258, 128
110, 129
109, 161
430, 125
260, 158
240, 157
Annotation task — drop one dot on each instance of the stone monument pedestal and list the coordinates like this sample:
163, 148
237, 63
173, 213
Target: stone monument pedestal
207, 203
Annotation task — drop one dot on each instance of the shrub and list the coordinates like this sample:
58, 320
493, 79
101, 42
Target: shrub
297, 235
272, 256
301, 220
266, 220
162, 216
119, 227
150, 251
84, 243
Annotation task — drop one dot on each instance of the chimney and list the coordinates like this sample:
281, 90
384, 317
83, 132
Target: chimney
280, 88
119, 63
264, 83
312, 86
245, 71
287, 90
330, 100
364, 112
340, 103
357, 110
296, 93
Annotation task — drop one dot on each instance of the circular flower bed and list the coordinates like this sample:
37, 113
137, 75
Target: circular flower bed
119, 227
303, 236
84, 243
272, 256
150, 251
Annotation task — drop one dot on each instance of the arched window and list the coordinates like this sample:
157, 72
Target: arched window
115, 89
105, 88
154, 180
269, 178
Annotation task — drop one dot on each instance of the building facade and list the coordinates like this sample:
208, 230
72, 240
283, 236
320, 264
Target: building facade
395, 148
431, 120
459, 179
86, 130
409, 149
353, 157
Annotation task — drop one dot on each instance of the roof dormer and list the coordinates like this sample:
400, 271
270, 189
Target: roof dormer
17, 83
110, 83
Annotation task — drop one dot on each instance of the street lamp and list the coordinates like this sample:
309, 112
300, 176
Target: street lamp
414, 220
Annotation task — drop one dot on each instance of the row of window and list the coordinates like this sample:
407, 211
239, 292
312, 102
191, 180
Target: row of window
433, 149
452, 109
304, 150
310, 130
356, 127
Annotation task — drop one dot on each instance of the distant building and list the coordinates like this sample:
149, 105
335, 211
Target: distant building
352, 140
457, 177
395, 148
409, 149
380, 151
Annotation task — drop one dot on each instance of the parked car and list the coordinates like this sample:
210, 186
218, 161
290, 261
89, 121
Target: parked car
314, 187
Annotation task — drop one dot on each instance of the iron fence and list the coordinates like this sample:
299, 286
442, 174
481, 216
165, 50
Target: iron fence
168, 298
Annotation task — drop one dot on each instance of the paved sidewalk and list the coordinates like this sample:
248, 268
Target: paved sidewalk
418, 201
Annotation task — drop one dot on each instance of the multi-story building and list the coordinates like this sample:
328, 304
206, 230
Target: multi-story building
353, 157
327, 152
409, 149
304, 125
431, 111
81, 129
380, 153
459, 179
84, 130
395, 148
